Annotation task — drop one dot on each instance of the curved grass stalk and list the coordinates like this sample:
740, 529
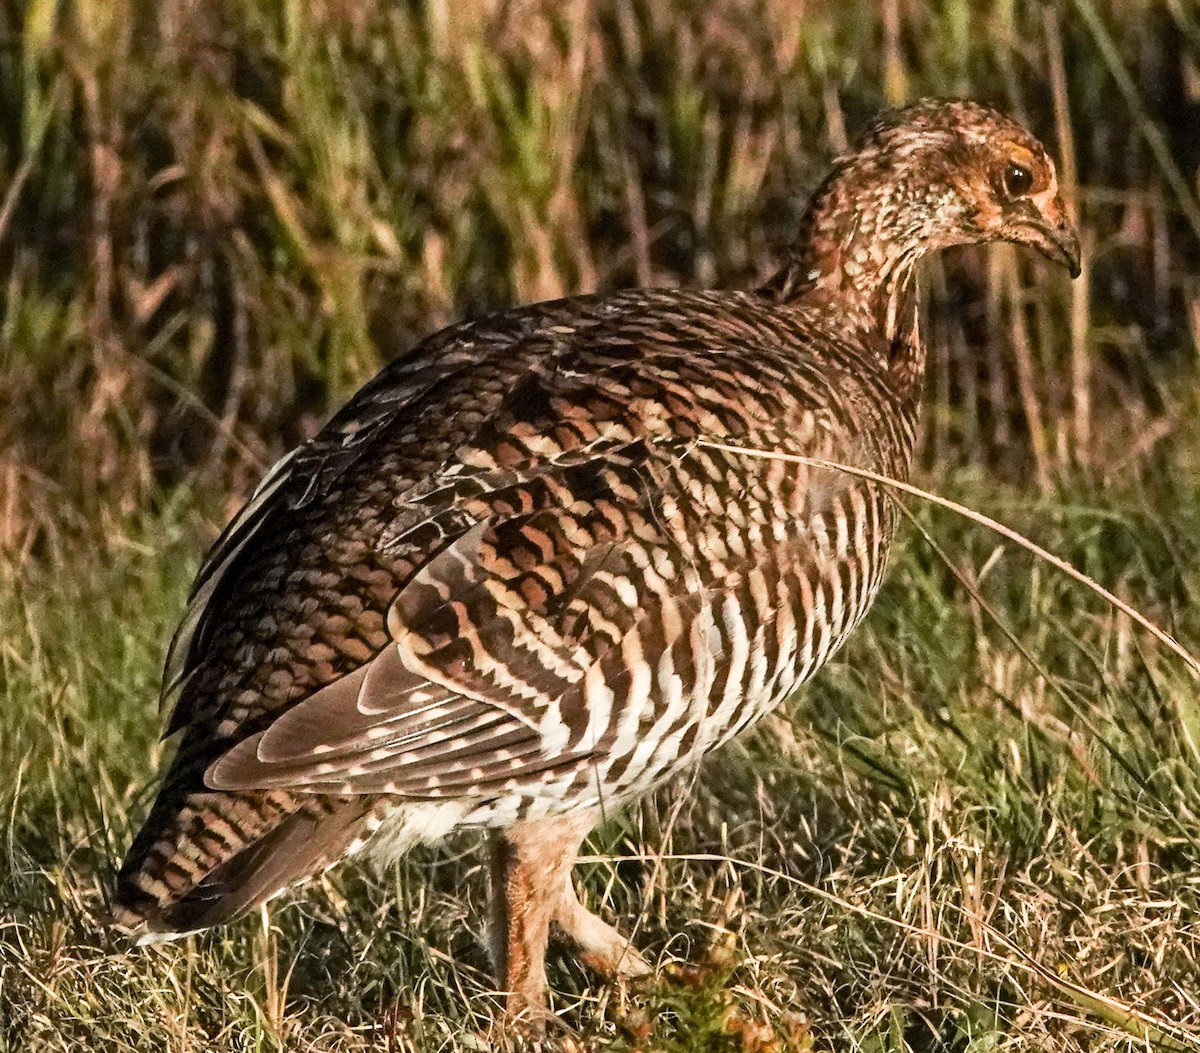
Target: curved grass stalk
1057, 562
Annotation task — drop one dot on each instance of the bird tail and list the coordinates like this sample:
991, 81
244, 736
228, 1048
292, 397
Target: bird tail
205, 860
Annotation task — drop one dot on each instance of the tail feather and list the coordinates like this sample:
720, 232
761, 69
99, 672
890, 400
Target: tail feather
221, 854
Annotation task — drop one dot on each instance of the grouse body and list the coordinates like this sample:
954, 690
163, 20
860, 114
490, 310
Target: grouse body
530, 571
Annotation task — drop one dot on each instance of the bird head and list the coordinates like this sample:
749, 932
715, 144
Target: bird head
931, 175
956, 172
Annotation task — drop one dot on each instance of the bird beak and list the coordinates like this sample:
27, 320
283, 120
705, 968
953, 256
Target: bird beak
1059, 244
1053, 235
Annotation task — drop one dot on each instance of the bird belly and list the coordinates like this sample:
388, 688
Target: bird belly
404, 824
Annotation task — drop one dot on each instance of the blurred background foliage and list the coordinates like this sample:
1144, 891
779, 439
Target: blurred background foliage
218, 217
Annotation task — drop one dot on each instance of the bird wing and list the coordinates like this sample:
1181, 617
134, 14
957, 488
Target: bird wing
294, 482
489, 640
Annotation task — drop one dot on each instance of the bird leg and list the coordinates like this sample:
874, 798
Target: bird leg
531, 866
600, 946
530, 863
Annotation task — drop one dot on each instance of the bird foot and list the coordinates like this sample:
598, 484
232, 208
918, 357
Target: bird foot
527, 1026
600, 946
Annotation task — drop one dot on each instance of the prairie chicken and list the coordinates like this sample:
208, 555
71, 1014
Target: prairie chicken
516, 581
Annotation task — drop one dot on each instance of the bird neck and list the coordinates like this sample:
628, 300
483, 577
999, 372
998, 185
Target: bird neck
855, 257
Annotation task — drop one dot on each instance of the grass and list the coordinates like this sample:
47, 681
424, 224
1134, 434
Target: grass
867, 871
978, 830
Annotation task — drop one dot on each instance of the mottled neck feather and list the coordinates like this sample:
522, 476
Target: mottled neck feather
863, 232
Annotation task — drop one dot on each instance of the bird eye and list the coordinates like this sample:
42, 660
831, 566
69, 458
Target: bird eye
1017, 180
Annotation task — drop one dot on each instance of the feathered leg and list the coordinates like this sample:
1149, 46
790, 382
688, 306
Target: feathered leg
531, 888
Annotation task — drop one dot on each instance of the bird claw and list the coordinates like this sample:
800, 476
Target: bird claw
525, 1027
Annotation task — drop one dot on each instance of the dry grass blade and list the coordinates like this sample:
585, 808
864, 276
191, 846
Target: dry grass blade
1157, 1032
1163, 637
1149, 1028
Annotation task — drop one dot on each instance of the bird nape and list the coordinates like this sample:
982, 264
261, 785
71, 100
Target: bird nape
513, 583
